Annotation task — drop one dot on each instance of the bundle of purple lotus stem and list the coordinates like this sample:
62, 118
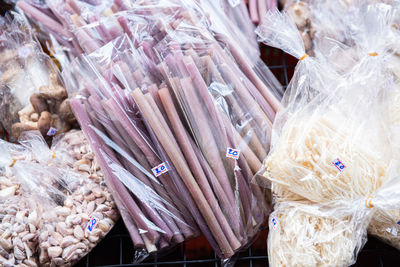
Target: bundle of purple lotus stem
179, 118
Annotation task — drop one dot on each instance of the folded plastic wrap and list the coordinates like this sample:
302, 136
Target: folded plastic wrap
31, 96
56, 206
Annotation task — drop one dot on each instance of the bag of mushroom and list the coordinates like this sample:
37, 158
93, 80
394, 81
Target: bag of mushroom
54, 206
31, 95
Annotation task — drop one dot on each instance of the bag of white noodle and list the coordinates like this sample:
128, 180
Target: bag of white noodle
307, 234
301, 236
331, 163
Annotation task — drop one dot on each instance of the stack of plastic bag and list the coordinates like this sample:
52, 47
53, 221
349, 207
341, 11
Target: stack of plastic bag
331, 166
176, 164
55, 207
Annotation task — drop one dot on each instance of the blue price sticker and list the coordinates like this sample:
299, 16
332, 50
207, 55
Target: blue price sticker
92, 224
339, 165
232, 153
160, 169
274, 222
52, 131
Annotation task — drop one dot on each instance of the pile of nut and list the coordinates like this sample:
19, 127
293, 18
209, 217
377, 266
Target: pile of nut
34, 234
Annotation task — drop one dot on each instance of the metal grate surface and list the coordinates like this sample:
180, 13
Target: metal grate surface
116, 250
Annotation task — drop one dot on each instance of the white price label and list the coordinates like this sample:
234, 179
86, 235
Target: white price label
92, 224
160, 169
274, 222
232, 153
52, 131
339, 165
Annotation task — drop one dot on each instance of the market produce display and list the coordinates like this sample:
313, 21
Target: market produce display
162, 112
175, 164
31, 96
49, 199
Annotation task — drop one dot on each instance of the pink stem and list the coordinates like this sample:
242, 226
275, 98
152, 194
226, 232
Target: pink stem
262, 9
48, 22
196, 168
115, 184
185, 173
253, 11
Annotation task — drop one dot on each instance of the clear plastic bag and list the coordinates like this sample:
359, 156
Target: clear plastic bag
18, 228
303, 233
325, 25
18, 224
331, 163
238, 15
56, 200
197, 159
302, 236
153, 210
31, 95
384, 225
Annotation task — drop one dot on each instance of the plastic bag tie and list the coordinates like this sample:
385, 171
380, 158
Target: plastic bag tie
13, 162
304, 56
368, 203
373, 54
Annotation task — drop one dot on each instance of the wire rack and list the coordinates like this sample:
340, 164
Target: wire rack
116, 250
